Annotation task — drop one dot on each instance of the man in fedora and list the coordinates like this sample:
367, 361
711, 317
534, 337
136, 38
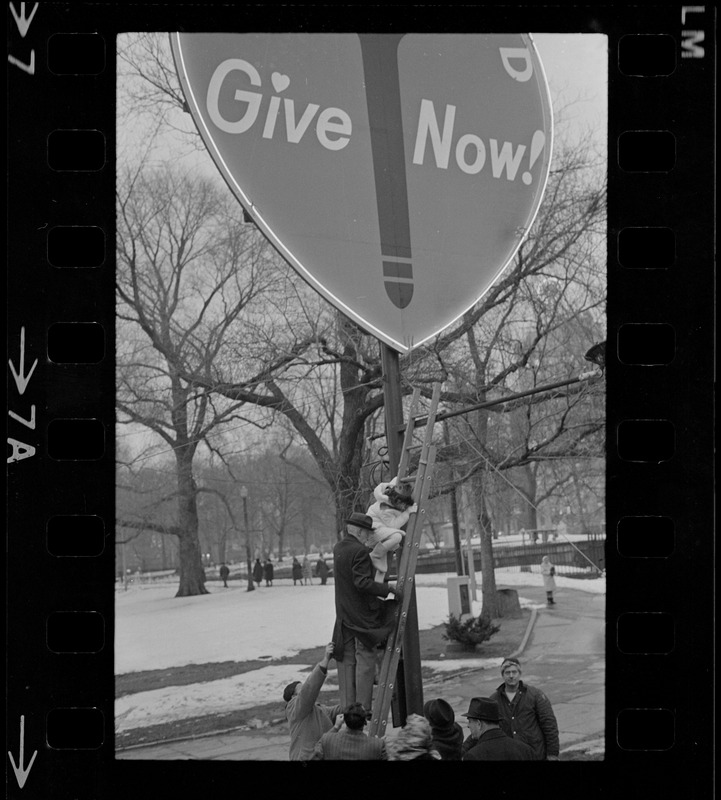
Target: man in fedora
487, 741
363, 620
526, 712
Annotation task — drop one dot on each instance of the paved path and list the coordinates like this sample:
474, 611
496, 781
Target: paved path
564, 655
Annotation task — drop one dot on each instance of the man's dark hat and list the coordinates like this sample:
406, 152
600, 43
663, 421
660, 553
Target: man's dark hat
439, 713
288, 691
482, 708
360, 520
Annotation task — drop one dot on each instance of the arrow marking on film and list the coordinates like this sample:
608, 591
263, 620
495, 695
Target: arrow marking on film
22, 21
22, 380
383, 95
21, 773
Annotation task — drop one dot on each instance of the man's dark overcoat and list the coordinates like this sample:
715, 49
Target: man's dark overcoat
358, 607
494, 745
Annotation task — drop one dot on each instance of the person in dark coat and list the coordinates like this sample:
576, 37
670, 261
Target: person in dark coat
224, 573
526, 713
296, 572
487, 741
268, 572
447, 733
363, 620
257, 571
321, 570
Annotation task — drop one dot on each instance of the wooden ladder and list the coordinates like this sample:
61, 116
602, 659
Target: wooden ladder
409, 555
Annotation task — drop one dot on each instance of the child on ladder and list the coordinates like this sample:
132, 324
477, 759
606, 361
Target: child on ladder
392, 508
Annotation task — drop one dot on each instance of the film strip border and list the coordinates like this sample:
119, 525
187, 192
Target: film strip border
658, 457
61, 387
60, 407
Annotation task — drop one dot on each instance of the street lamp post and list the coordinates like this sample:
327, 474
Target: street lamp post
244, 495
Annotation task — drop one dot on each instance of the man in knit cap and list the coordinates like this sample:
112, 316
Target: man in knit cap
447, 733
526, 713
308, 720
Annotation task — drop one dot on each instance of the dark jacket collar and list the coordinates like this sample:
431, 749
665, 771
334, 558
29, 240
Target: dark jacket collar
521, 687
494, 733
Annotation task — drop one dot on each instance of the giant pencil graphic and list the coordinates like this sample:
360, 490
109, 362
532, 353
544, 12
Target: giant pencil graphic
383, 93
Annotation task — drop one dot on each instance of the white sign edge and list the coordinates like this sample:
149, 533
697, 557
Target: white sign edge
277, 243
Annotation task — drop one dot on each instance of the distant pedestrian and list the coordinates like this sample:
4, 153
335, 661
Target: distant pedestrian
268, 572
309, 720
363, 620
346, 741
321, 570
487, 742
526, 713
307, 571
446, 732
296, 572
414, 742
257, 571
549, 584
224, 573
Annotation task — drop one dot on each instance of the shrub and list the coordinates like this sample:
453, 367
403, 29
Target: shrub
471, 632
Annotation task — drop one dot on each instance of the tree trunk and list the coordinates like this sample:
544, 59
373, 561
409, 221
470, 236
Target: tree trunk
192, 574
347, 483
532, 489
456, 532
489, 604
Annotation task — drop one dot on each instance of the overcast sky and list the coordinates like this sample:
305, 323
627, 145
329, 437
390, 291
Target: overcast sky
576, 67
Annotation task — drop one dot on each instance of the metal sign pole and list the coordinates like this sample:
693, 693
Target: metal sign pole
409, 684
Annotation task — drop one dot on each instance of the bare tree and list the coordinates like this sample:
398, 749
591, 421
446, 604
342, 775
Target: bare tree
187, 268
312, 370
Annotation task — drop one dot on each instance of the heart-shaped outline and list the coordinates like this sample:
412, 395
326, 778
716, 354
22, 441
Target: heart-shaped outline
399, 339
280, 82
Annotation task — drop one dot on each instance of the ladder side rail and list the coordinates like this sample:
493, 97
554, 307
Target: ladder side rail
406, 572
410, 426
406, 568
420, 489
408, 435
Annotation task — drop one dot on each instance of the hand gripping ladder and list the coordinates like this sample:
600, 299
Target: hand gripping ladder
409, 556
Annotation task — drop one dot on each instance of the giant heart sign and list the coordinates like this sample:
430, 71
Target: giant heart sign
398, 174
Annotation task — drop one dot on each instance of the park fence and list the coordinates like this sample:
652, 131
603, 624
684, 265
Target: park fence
582, 558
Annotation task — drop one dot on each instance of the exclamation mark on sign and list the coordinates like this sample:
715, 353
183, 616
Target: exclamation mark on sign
383, 95
539, 139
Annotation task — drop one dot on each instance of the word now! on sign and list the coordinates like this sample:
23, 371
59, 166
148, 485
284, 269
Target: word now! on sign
344, 148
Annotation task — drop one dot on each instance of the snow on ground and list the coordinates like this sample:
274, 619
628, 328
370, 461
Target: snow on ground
155, 630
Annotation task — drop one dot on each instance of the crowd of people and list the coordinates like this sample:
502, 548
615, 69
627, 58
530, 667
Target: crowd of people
301, 573
515, 723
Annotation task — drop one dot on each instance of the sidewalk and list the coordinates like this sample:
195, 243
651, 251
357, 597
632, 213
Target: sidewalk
563, 652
